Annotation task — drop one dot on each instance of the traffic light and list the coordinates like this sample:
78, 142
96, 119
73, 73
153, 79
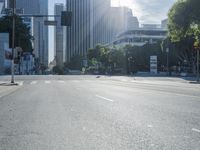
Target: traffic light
66, 18
11, 3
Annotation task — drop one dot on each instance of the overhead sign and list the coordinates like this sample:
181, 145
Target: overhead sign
50, 23
153, 64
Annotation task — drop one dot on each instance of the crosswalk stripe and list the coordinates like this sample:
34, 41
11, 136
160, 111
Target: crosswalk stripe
75, 81
33, 82
47, 82
124, 80
21, 83
60, 81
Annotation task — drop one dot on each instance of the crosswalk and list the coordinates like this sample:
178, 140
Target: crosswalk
33, 82
47, 82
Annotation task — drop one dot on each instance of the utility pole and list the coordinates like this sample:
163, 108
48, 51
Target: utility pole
13, 41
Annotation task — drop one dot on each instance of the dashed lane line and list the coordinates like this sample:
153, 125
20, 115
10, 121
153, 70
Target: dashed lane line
150, 126
76, 81
196, 130
104, 98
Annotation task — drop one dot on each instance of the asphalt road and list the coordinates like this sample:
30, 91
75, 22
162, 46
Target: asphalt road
92, 113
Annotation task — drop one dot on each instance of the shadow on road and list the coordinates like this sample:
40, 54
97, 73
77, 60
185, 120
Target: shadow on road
9, 84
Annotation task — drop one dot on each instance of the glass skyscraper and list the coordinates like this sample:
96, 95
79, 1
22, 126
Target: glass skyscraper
88, 25
59, 36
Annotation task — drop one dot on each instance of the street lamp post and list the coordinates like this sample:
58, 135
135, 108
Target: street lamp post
13, 41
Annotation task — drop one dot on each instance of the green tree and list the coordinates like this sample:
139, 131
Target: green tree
184, 29
75, 63
22, 32
184, 20
117, 58
99, 53
58, 70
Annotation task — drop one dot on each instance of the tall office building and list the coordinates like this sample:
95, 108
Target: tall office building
79, 34
40, 31
164, 24
94, 22
59, 36
88, 25
101, 21
133, 23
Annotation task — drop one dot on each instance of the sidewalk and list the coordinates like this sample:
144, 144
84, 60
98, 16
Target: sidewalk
7, 88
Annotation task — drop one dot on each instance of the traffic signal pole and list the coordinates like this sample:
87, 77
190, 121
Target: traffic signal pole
13, 43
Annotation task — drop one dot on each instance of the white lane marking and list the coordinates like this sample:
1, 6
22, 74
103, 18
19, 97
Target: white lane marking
152, 145
75, 81
149, 126
196, 130
33, 82
107, 99
60, 81
47, 82
124, 80
186, 137
21, 83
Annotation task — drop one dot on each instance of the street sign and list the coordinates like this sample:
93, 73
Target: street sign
50, 23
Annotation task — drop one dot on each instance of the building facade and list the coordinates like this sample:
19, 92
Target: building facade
40, 31
133, 23
95, 22
79, 35
101, 23
164, 24
140, 37
5, 63
59, 36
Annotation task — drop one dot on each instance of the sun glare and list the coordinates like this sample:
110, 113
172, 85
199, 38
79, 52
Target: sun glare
117, 3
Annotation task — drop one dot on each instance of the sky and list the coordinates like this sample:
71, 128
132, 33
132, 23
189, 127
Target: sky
147, 11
